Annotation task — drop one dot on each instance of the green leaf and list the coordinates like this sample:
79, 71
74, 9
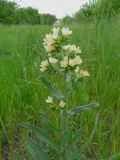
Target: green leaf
36, 150
82, 108
42, 136
57, 93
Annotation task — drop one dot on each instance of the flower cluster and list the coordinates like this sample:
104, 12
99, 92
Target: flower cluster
58, 53
61, 56
52, 40
71, 61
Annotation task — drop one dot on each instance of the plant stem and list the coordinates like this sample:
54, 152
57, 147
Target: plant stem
66, 120
67, 105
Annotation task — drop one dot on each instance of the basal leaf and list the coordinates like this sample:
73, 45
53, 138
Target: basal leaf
42, 136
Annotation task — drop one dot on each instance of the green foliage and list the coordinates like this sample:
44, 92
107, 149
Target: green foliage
7, 12
67, 151
10, 13
36, 151
42, 136
46, 19
27, 16
98, 9
67, 19
107, 8
85, 13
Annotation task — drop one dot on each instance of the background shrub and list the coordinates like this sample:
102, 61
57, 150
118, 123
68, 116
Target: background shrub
10, 13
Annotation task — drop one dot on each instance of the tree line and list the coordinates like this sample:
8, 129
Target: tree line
95, 9
11, 13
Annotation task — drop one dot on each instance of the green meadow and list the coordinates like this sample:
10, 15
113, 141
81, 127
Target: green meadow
22, 95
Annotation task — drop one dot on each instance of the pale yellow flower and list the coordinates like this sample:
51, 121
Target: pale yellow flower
53, 60
72, 48
66, 47
78, 60
55, 32
75, 49
49, 100
64, 62
49, 48
48, 40
66, 32
62, 104
72, 62
44, 65
49, 43
84, 73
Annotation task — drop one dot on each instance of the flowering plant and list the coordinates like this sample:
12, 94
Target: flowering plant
64, 59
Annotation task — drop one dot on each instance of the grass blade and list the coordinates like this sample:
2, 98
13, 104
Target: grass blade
83, 147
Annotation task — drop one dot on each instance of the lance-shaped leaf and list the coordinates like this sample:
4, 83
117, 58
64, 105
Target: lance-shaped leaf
55, 92
42, 136
77, 110
36, 150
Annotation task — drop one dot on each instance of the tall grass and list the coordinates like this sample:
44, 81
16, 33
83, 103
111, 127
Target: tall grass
22, 95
